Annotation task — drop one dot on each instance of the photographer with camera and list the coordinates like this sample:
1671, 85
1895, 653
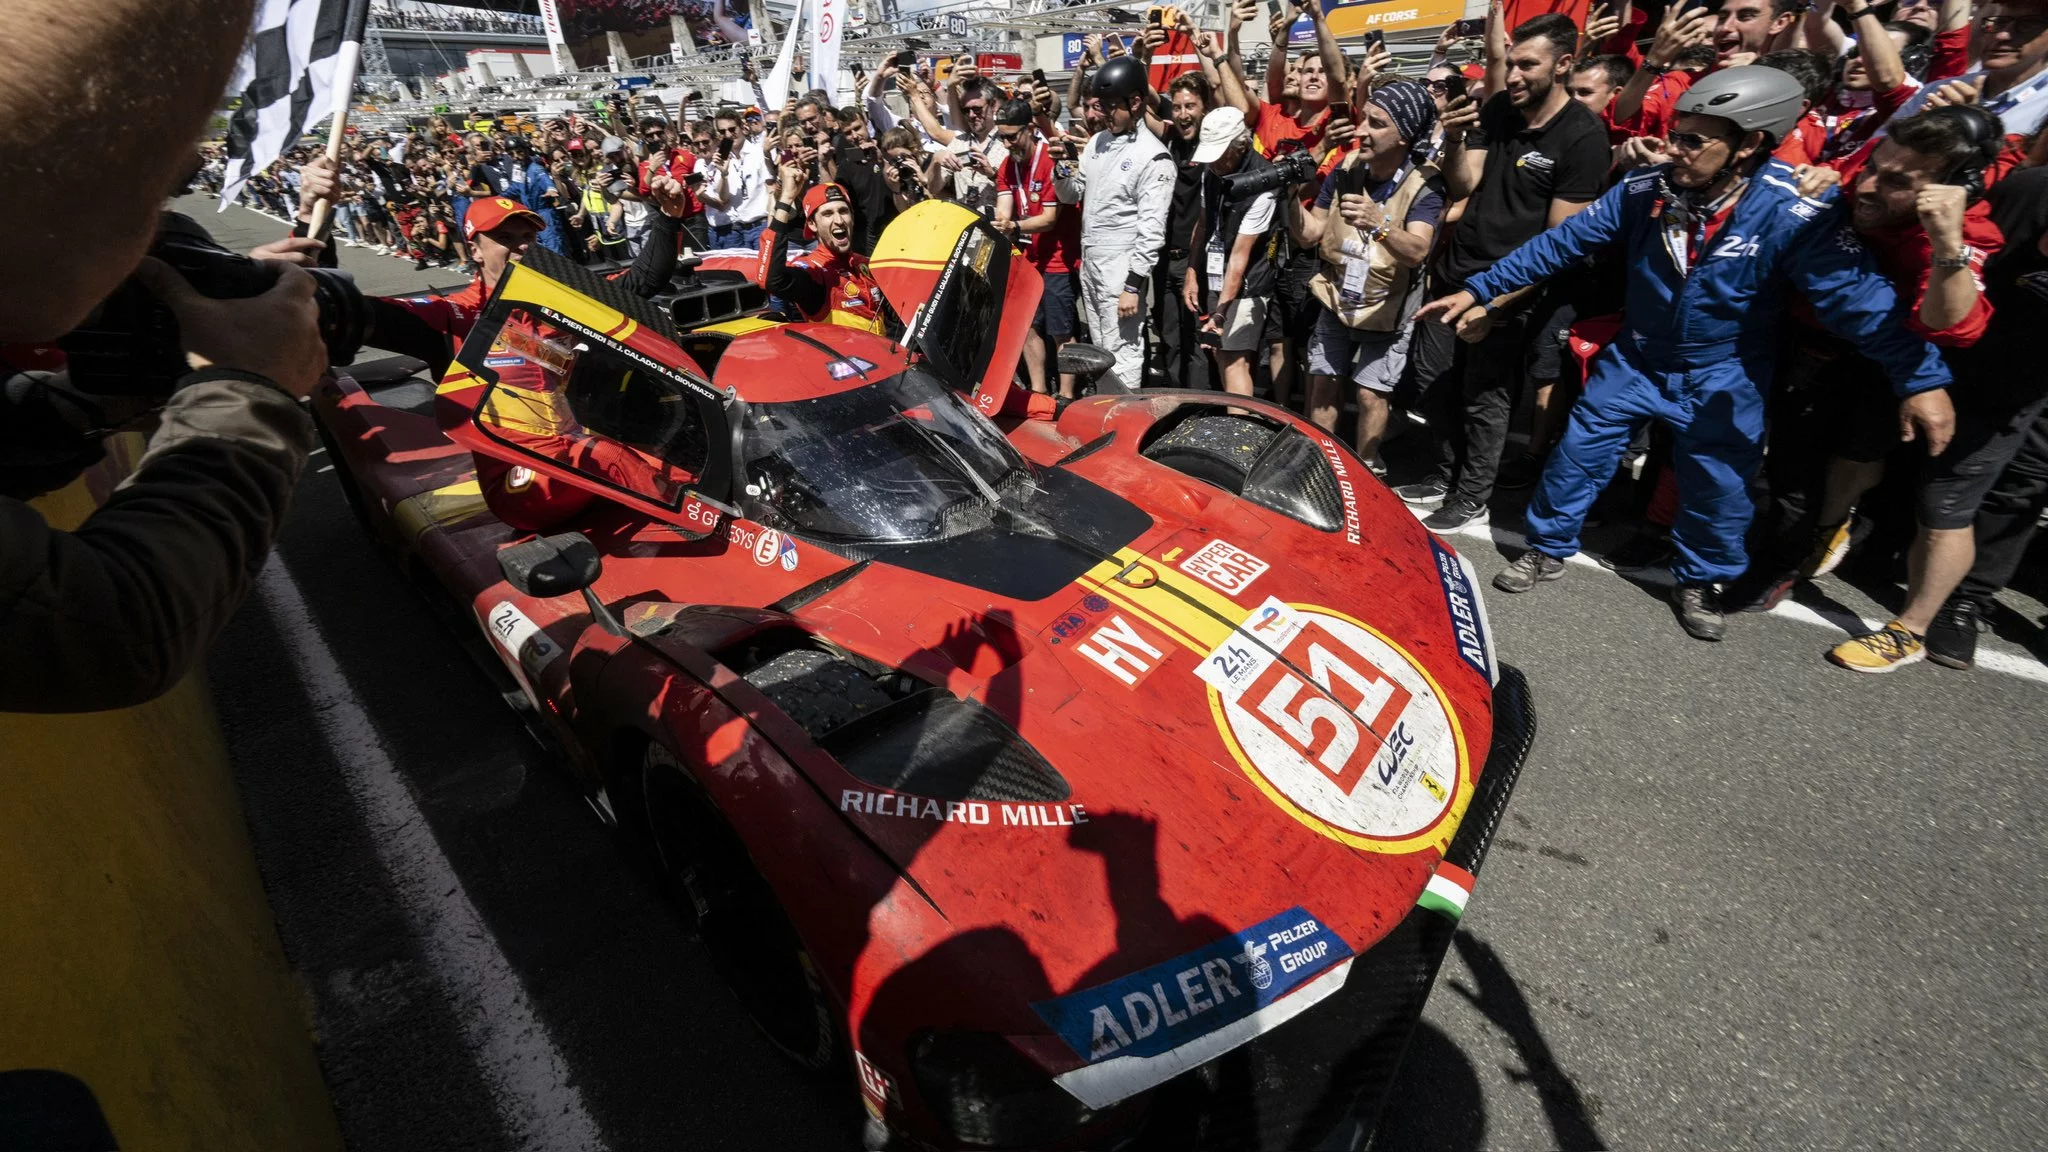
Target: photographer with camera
901, 155
114, 613
830, 283
1229, 282
1372, 226
1126, 175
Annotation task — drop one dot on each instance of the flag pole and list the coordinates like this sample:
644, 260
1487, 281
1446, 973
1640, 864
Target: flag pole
346, 61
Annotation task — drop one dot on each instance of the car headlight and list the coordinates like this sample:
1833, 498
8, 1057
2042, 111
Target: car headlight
990, 1095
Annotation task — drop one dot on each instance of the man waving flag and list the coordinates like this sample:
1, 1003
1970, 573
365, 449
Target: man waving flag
298, 66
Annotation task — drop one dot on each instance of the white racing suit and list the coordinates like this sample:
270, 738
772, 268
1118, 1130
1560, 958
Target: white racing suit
1127, 181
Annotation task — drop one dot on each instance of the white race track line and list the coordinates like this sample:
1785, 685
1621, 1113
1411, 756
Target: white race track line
529, 1081
1988, 659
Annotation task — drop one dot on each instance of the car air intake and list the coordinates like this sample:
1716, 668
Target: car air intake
1274, 467
937, 745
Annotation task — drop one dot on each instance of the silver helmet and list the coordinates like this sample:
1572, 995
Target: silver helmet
1754, 97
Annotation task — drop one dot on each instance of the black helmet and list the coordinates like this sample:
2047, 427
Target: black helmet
1755, 98
1118, 80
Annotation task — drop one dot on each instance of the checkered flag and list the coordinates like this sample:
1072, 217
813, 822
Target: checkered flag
299, 65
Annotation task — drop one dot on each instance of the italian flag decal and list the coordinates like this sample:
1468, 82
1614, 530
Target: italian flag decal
1447, 891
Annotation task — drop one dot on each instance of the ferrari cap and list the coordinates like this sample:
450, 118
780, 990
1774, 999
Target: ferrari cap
1221, 128
492, 211
817, 198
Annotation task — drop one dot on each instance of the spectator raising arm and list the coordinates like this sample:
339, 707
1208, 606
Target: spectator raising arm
1233, 90
1462, 166
1675, 33
1496, 48
1819, 32
1334, 65
1875, 45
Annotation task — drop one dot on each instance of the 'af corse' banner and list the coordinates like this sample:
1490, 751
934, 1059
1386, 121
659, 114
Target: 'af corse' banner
1353, 18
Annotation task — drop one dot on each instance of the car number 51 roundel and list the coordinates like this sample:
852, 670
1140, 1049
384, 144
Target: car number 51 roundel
1340, 728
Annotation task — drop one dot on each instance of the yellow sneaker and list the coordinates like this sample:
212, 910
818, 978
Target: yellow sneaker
1830, 546
1891, 646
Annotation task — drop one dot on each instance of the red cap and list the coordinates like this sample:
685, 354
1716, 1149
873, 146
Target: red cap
817, 198
1474, 71
576, 144
490, 211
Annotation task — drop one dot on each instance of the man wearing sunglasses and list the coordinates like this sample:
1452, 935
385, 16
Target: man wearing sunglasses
2011, 82
973, 153
1713, 240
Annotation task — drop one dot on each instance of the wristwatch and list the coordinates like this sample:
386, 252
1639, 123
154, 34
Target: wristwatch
1952, 263
1653, 68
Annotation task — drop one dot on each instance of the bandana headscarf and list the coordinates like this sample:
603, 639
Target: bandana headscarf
1410, 107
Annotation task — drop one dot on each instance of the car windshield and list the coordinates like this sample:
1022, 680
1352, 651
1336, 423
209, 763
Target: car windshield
903, 460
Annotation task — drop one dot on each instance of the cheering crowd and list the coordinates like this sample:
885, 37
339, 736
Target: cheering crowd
1778, 261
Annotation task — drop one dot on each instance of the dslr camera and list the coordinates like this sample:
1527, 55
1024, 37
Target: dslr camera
908, 179
129, 345
1293, 168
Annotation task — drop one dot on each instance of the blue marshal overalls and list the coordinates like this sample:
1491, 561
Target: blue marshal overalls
1698, 344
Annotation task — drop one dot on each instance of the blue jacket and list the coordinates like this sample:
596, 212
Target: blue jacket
531, 189
1734, 302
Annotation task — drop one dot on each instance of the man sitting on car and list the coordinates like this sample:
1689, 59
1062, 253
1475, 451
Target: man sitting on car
831, 282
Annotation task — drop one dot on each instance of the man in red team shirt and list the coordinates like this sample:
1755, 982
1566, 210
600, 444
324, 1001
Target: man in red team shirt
1029, 213
831, 282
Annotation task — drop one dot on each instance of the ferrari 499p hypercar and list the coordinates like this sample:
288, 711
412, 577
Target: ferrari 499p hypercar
1107, 776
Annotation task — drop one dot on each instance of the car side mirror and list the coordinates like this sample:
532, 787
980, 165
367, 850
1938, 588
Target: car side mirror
556, 566
1084, 361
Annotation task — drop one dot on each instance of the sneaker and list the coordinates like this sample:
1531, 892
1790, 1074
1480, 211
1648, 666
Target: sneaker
1643, 550
1424, 492
1830, 545
1460, 512
1529, 569
1952, 639
1772, 595
1699, 610
1378, 468
1518, 473
1891, 646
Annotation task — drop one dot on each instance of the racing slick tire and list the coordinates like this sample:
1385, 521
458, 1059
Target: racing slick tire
817, 690
744, 929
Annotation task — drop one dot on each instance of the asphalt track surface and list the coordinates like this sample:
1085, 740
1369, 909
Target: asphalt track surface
1742, 900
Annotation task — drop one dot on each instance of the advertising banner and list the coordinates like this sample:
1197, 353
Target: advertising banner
1350, 19
643, 24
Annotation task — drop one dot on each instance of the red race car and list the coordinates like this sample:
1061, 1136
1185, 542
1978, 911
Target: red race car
1113, 774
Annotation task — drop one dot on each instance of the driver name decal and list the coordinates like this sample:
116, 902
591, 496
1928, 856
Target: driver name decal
1336, 725
1160, 1008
